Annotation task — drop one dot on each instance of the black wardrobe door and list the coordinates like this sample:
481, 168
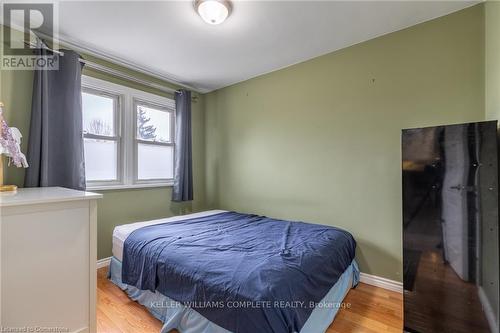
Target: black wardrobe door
450, 228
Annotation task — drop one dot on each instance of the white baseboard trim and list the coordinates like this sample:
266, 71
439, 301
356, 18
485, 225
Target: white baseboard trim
488, 310
381, 282
104, 262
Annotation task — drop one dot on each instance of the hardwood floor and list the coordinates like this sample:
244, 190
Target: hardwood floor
371, 310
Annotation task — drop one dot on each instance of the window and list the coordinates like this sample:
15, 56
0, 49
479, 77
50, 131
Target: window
154, 144
101, 140
128, 136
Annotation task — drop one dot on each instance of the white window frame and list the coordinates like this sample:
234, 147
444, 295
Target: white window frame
117, 136
171, 143
126, 129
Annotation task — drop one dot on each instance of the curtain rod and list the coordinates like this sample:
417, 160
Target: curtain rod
112, 71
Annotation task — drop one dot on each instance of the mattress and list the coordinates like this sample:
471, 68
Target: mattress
186, 320
121, 232
191, 319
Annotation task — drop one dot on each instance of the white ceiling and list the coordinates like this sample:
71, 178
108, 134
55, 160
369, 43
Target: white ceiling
168, 38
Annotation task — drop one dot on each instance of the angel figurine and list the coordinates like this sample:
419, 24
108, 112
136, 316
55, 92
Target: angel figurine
10, 146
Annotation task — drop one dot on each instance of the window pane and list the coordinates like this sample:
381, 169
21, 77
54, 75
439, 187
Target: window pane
153, 124
155, 162
98, 114
100, 159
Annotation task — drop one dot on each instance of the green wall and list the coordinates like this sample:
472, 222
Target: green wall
117, 206
15, 93
320, 141
492, 47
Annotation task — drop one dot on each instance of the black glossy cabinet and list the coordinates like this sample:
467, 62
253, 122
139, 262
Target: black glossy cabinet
450, 228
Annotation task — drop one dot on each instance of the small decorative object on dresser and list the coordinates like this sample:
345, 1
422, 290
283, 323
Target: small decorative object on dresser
10, 146
48, 269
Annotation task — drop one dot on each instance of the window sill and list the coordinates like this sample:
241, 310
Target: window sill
126, 187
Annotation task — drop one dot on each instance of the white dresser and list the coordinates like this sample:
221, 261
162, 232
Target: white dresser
48, 260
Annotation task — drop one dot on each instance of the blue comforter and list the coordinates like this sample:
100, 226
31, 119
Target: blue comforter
246, 273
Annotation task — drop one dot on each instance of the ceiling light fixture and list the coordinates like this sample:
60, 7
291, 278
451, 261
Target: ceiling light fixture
213, 11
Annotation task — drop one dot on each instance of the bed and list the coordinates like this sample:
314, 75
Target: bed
219, 272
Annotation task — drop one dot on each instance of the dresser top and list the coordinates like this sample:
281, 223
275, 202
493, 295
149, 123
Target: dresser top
41, 195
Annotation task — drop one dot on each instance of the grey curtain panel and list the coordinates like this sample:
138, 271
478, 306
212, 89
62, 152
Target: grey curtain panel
183, 165
55, 147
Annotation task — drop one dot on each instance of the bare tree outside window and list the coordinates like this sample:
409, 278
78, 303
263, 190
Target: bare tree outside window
99, 127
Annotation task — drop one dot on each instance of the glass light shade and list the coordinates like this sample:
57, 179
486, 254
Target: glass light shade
213, 11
